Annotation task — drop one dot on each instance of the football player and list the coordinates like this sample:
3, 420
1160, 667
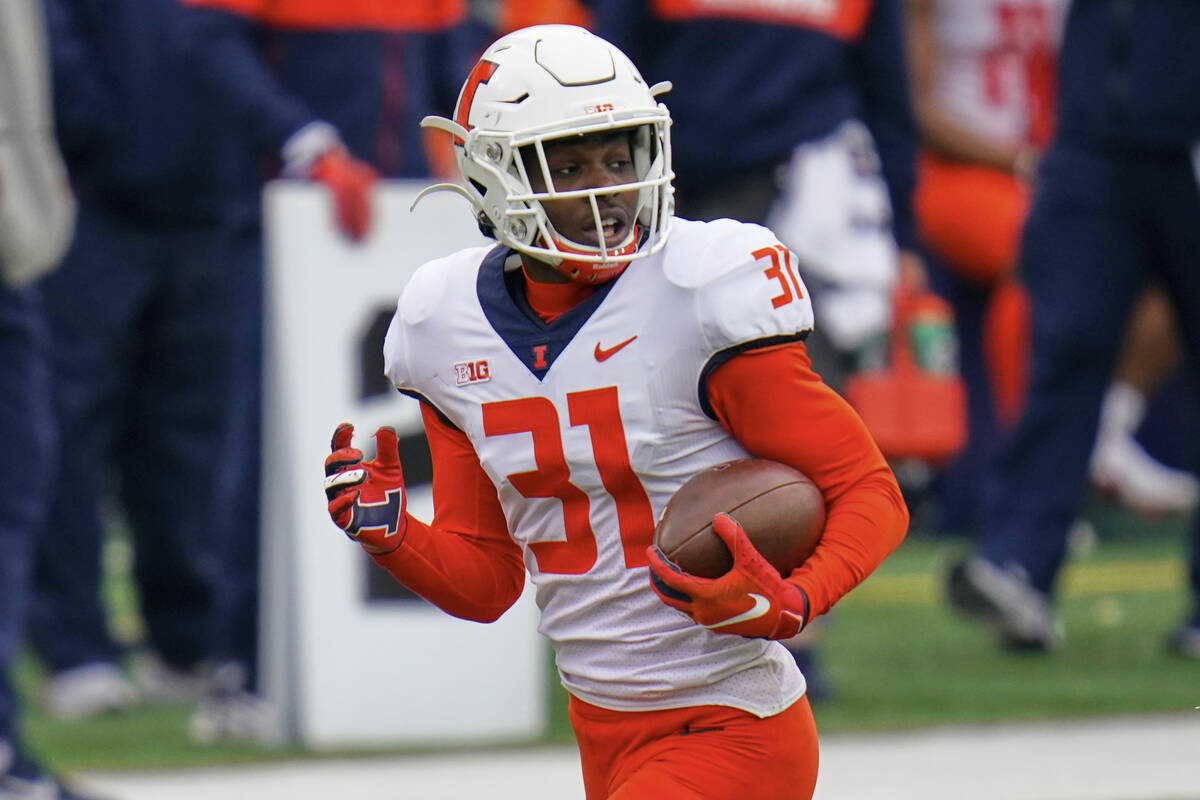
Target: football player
571, 378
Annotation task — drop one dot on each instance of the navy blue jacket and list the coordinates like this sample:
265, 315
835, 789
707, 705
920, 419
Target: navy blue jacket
746, 92
373, 86
133, 123
1129, 75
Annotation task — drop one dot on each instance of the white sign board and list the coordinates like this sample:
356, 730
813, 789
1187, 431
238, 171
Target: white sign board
345, 668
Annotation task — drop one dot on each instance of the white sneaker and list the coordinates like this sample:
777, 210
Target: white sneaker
234, 717
35, 784
14, 788
159, 682
1185, 642
1121, 468
87, 691
1004, 600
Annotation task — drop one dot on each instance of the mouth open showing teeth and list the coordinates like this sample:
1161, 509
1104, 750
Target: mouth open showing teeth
612, 227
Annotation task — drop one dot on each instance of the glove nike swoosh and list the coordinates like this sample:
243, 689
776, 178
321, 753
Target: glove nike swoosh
761, 606
350, 477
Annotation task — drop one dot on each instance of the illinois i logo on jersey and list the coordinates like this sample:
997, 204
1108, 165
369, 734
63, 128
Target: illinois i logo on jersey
467, 372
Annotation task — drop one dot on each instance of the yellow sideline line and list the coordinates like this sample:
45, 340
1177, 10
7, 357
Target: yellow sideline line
1079, 580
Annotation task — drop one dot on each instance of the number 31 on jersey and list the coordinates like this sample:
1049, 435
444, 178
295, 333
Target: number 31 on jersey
599, 410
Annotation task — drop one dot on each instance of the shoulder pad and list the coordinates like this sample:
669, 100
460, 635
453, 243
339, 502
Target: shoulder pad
746, 285
700, 252
422, 295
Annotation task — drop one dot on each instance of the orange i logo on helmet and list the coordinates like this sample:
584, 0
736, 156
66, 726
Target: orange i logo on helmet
481, 73
532, 90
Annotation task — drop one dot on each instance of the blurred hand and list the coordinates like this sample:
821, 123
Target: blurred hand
316, 152
350, 181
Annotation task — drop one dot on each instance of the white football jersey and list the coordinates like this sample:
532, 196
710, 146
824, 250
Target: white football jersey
588, 425
995, 75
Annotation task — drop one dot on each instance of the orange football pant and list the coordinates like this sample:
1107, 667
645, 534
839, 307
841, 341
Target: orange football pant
697, 753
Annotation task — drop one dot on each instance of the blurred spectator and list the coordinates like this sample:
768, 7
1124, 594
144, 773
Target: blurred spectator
141, 357
509, 15
1116, 207
36, 217
37, 210
784, 127
796, 116
983, 75
1148, 367
331, 91
27, 428
983, 93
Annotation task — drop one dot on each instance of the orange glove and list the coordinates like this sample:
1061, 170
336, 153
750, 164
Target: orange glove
350, 181
316, 152
750, 600
367, 498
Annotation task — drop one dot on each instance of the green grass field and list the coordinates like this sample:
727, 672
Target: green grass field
894, 654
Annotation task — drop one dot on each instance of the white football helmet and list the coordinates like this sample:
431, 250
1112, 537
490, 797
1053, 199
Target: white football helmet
545, 82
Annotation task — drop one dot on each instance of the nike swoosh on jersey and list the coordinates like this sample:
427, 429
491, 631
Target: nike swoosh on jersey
761, 606
603, 355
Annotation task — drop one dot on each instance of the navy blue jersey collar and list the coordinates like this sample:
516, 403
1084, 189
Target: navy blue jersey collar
536, 343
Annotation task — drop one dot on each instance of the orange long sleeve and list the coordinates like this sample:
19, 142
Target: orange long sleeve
466, 563
778, 408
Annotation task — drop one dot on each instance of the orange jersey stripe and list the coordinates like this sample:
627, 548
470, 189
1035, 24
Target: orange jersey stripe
843, 19
778, 408
465, 563
402, 15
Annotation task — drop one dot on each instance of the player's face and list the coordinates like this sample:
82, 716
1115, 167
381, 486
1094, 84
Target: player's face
593, 161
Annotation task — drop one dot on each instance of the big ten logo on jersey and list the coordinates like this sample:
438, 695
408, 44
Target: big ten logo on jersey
467, 372
843, 19
540, 423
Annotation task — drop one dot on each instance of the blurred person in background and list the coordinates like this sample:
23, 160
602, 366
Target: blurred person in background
983, 78
331, 91
1115, 208
796, 116
1138, 460
566, 161
983, 91
36, 220
142, 360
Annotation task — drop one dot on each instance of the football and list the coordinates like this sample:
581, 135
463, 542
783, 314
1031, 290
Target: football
781, 510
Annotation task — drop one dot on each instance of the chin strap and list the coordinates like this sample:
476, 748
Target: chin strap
591, 272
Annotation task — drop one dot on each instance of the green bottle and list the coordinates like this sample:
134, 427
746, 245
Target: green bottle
931, 335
